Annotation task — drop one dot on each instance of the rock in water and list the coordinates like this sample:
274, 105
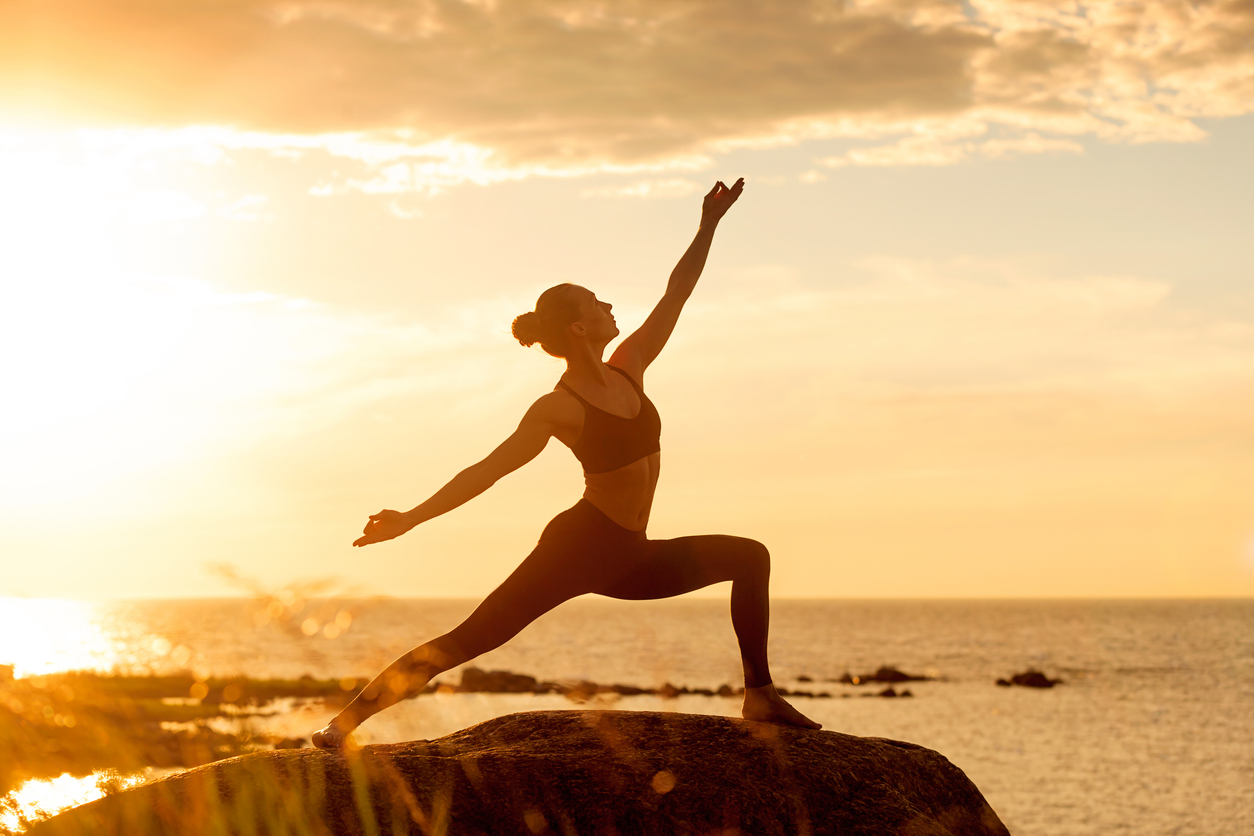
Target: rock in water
565, 772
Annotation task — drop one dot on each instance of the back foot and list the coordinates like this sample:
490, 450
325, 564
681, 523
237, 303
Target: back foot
331, 738
765, 705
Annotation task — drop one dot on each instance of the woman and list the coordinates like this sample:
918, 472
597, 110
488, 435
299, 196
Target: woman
599, 546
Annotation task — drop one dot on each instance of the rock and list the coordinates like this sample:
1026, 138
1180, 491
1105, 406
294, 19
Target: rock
893, 675
805, 678
884, 674
580, 691
563, 772
1032, 679
497, 682
629, 690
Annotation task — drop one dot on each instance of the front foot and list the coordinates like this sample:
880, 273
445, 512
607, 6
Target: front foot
331, 738
765, 705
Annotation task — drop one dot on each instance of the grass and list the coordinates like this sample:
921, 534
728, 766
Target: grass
81, 722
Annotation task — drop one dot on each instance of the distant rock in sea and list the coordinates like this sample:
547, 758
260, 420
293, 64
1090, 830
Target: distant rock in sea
564, 772
499, 682
1030, 679
884, 674
475, 680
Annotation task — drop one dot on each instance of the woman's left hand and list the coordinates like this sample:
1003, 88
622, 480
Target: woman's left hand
719, 200
384, 525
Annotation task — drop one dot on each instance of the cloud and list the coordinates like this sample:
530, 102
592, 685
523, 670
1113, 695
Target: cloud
565, 86
922, 149
971, 325
1030, 143
647, 188
122, 374
248, 208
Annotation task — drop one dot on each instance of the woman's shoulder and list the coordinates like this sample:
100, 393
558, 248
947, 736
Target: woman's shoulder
559, 405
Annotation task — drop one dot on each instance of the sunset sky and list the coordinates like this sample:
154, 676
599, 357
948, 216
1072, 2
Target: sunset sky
982, 323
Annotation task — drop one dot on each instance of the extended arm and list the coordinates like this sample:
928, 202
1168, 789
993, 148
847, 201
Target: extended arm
643, 346
526, 442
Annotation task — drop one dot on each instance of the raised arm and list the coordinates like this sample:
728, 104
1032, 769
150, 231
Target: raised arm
642, 347
526, 442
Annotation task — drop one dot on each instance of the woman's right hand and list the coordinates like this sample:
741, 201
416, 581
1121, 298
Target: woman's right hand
384, 525
720, 198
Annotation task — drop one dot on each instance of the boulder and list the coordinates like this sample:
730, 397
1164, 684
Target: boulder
565, 772
1031, 679
497, 682
884, 674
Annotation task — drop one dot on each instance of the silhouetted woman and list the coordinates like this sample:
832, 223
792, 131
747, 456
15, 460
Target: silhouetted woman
599, 546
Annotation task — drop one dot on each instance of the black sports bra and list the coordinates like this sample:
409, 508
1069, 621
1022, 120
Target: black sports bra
609, 441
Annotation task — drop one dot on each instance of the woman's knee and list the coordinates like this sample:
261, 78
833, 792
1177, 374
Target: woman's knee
743, 558
757, 558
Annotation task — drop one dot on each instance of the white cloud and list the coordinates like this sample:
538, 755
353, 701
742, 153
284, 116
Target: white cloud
974, 325
910, 150
249, 208
647, 189
1031, 143
488, 91
158, 205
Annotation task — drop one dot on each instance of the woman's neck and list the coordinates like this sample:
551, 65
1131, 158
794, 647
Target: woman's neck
587, 366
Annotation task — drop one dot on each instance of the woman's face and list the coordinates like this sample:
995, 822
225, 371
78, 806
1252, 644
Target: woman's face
596, 317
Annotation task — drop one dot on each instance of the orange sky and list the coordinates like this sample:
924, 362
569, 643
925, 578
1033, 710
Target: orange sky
982, 324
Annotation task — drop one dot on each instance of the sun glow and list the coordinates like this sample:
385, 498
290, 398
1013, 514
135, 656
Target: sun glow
45, 635
112, 372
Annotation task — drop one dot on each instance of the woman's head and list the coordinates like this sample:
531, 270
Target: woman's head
557, 309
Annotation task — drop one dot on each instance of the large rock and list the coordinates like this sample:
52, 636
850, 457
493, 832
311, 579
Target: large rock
565, 772
1030, 679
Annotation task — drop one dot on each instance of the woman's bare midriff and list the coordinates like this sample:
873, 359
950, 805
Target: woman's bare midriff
625, 495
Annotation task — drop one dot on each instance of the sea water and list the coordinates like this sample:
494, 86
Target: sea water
1151, 732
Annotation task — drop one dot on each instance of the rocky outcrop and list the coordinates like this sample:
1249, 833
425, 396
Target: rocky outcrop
884, 674
475, 680
1030, 679
565, 772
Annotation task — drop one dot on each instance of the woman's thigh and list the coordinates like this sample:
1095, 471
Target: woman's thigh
553, 573
666, 568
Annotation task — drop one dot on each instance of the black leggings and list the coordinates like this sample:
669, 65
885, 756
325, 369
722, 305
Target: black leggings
583, 551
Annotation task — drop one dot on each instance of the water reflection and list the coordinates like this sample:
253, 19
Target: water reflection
41, 798
45, 635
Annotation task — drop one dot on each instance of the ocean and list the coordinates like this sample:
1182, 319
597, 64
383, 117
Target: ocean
1151, 732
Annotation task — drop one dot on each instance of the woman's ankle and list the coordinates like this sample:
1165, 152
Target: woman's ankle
345, 723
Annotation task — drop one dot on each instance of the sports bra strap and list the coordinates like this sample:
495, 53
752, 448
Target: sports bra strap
578, 397
610, 441
630, 379
581, 399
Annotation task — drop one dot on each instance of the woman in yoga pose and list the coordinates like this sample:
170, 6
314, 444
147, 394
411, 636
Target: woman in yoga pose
600, 411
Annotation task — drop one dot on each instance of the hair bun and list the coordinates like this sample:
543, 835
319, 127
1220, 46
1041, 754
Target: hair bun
526, 328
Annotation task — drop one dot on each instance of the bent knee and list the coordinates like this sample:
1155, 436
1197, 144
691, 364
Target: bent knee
756, 558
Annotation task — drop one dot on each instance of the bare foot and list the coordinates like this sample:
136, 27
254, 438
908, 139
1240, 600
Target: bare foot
765, 705
332, 738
